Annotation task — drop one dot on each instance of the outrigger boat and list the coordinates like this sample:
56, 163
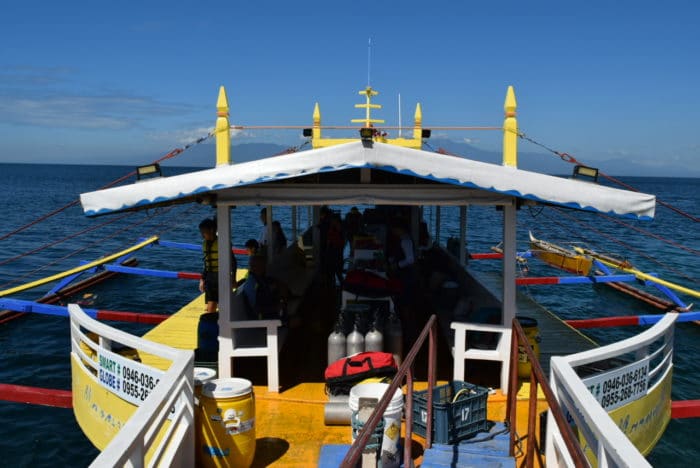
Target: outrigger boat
585, 262
560, 257
605, 405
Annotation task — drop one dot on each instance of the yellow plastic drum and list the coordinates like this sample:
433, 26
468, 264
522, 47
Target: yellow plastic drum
227, 410
202, 375
532, 332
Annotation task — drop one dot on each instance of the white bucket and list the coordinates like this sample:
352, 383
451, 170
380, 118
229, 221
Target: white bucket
392, 414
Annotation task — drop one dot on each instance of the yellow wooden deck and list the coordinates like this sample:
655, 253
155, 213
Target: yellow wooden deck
178, 331
290, 429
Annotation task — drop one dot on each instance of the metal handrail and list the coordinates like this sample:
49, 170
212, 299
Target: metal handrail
536, 377
405, 371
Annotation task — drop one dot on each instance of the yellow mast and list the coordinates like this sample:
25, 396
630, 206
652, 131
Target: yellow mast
368, 92
368, 122
510, 131
418, 123
223, 130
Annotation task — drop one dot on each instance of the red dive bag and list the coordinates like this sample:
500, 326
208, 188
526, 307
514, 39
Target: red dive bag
346, 372
368, 284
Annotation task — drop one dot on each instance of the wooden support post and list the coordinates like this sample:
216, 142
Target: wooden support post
509, 251
437, 225
223, 220
415, 228
462, 235
268, 228
316, 236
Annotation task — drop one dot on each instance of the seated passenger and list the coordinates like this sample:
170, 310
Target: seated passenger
279, 240
252, 246
264, 296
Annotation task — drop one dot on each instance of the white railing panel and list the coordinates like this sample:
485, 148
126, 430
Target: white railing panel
169, 402
610, 444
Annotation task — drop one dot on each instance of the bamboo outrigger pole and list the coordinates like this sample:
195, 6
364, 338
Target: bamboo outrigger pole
87, 266
645, 276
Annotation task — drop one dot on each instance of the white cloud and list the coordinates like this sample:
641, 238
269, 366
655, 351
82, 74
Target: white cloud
471, 141
186, 136
62, 110
46, 96
621, 152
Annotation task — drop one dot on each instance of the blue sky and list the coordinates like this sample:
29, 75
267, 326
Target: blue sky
124, 82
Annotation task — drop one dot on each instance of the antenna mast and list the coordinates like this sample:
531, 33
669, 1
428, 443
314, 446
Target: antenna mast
369, 62
399, 115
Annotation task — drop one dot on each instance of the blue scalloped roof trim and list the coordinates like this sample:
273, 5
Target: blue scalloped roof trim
385, 168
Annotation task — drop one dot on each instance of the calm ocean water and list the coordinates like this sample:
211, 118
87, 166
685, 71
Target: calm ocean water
34, 350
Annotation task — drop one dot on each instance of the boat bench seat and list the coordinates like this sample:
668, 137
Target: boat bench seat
247, 337
461, 350
244, 337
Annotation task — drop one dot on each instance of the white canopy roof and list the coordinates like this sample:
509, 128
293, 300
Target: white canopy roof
441, 168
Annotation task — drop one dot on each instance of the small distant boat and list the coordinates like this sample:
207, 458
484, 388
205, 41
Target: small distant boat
583, 261
560, 257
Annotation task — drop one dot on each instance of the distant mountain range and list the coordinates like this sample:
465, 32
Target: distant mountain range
205, 156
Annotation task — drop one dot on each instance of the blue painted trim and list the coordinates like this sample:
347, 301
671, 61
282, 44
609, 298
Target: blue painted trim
63, 283
595, 279
180, 245
684, 317
141, 271
670, 294
601, 266
18, 305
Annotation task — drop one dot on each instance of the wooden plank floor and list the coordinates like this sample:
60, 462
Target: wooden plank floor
557, 338
290, 428
179, 331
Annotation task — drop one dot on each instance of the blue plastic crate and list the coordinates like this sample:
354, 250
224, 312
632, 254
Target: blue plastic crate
452, 420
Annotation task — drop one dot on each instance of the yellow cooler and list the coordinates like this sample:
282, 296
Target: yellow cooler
227, 413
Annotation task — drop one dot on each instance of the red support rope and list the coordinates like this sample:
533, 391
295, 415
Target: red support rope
50, 244
626, 246
655, 236
75, 252
570, 159
171, 154
660, 202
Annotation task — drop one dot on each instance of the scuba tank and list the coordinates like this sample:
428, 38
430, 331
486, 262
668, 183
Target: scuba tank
394, 338
336, 344
355, 342
374, 340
